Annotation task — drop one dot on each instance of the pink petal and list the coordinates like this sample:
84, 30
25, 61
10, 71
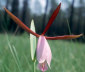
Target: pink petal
43, 51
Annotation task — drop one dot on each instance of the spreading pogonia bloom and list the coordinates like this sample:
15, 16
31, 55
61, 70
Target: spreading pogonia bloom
43, 53
43, 50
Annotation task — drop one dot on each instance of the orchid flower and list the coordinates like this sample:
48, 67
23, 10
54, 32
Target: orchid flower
43, 49
43, 53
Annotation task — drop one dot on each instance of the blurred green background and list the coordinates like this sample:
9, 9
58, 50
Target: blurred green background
15, 55
68, 55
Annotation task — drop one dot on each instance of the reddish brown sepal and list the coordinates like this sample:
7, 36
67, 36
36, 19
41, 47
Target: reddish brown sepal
64, 37
20, 23
55, 13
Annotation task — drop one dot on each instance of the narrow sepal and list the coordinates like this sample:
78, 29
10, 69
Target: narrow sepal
20, 23
55, 13
64, 37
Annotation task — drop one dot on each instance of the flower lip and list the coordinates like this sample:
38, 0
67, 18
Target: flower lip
43, 66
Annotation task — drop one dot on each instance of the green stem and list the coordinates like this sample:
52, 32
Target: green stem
34, 66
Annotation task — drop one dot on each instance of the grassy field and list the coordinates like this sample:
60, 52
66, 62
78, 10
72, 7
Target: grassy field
68, 56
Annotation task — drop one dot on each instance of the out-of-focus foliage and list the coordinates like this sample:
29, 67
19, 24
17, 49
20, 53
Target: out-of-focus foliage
71, 16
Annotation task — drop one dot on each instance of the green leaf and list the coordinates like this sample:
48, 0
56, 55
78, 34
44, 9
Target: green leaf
32, 41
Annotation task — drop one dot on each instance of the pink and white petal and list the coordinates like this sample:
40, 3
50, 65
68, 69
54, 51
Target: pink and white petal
48, 53
41, 55
41, 68
43, 51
